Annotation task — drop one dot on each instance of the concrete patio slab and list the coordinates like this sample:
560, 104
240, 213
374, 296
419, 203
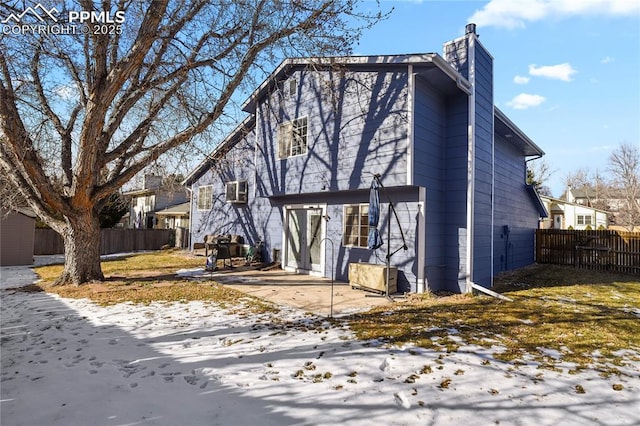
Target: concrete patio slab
305, 292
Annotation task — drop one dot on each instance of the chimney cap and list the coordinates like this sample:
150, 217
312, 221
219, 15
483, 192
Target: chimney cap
470, 29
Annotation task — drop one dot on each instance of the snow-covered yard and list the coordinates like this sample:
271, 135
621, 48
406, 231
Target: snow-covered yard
70, 362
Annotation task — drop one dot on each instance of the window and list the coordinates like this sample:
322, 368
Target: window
236, 191
356, 225
293, 87
292, 138
149, 202
205, 197
584, 220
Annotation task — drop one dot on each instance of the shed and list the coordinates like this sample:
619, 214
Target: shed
17, 231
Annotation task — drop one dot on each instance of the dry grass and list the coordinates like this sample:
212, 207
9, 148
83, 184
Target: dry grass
577, 313
586, 317
150, 277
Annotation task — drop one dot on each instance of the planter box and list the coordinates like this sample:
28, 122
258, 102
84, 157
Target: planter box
372, 277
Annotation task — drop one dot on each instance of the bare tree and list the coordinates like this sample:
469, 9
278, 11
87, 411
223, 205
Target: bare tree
83, 114
538, 174
591, 185
624, 166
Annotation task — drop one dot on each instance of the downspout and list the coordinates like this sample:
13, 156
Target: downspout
410, 123
190, 189
493, 182
471, 162
421, 249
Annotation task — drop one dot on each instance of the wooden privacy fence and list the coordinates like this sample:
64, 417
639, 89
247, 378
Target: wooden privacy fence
47, 241
597, 250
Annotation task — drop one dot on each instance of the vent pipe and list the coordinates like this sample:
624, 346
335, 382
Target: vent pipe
470, 29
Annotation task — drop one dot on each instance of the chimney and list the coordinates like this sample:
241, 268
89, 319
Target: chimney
470, 29
151, 182
456, 52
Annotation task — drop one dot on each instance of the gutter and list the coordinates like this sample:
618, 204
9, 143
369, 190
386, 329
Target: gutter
462, 83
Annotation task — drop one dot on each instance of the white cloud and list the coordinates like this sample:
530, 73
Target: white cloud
516, 14
606, 60
519, 79
556, 72
525, 101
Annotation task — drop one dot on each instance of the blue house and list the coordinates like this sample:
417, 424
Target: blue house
296, 172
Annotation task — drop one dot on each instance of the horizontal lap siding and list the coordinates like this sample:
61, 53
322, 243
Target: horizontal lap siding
357, 126
406, 204
456, 173
483, 152
514, 208
429, 146
251, 220
455, 194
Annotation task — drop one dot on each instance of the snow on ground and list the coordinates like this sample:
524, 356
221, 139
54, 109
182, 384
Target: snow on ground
70, 362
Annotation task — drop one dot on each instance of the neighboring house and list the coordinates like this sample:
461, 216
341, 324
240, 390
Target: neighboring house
17, 233
174, 217
153, 197
587, 197
296, 172
568, 215
620, 214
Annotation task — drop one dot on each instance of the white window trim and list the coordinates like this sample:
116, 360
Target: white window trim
344, 223
290, 138
210, 201
293, 87
237, 199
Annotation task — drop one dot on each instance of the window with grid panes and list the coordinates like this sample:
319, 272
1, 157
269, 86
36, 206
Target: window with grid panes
292, 138
356, 225
205, 197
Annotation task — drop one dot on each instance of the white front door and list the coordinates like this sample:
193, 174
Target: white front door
304, 234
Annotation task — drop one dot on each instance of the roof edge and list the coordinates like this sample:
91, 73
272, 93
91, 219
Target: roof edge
400, 59
515, 129
226, 142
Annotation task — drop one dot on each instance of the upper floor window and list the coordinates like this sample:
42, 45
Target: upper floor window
205, 197
356, 225
293, 87
292, 138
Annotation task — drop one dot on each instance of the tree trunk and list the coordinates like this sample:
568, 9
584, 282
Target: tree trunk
81, 250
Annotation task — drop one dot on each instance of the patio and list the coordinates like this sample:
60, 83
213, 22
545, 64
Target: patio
305, 292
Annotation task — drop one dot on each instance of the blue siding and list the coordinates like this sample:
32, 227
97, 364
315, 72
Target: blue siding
405, 200
251, 220
513, 208
455, 193
357, 127
430, 113
483, 184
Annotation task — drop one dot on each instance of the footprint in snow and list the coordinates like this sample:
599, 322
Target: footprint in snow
192, 380
401, 400
386, 364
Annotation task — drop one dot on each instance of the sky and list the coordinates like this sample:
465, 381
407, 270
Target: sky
567, 72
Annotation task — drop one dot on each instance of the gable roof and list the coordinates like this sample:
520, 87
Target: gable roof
176, 210
555, 202
512, 133
222, 148
537, 201
431, 60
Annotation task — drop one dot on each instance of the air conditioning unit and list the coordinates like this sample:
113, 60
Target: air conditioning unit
236, 191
